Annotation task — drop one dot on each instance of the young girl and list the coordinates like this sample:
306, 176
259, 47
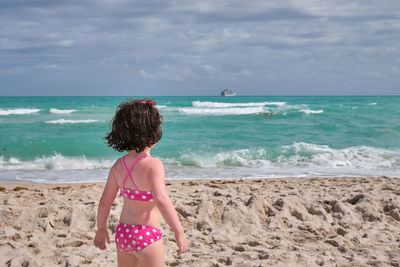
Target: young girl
136, 128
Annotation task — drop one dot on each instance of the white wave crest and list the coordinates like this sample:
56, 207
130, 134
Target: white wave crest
241, 157
18, 111
358, 157
301, 156
372, 104
220, 111
63, 121
54, 162
295, 160
62, 111
226, 105
309, 111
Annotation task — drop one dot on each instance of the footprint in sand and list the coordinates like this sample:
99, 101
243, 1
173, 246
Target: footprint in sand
253, 243
75, 243
279, 204
356, 199
239, 248
226, 261
263, 255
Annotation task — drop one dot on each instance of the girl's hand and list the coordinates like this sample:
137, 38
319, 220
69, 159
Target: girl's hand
101, 238
181, 242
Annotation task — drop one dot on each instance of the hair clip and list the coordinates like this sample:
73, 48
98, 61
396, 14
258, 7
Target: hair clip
144, 102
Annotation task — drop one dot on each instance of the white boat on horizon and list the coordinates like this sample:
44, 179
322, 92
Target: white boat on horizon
228, 92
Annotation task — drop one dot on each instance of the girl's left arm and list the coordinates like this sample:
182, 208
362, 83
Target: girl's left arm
106, 200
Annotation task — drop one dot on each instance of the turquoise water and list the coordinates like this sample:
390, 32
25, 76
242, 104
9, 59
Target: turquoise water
61, 139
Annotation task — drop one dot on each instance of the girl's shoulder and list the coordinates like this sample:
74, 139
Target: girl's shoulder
116, 165
152, 162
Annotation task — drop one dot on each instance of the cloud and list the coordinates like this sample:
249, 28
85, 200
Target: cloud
66, 42
166, 72
201, 44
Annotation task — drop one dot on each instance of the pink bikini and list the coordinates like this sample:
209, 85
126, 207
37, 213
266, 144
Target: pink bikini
134, 238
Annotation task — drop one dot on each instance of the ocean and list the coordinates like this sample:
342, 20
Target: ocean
61, 139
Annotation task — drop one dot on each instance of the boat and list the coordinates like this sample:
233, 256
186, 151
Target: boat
228, 92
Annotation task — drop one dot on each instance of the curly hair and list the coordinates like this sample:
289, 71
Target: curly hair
135, 126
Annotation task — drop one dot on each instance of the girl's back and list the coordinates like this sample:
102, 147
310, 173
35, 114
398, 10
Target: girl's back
136, 211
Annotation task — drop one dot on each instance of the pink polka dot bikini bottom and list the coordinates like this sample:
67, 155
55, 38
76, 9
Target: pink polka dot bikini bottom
134, 238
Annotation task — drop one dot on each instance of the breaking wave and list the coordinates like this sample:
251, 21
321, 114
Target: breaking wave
309, 111
220, 111
62, 111
63, 121
295, 160
18, 111
224, 108
54, 162
299, 159
226, 105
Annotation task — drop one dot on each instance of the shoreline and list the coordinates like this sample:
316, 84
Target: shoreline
211, 179
318, 221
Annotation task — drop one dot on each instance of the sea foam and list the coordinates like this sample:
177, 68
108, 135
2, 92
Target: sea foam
296, 160
226, 105
62, 111
54, 162
63, 121
18, 111
299, 154
309, 111
220, 111
357, 157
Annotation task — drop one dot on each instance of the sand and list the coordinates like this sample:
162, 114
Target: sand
265, 222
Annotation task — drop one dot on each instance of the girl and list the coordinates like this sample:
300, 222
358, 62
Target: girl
136, 128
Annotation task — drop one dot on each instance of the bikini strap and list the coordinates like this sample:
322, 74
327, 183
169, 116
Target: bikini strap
129, 170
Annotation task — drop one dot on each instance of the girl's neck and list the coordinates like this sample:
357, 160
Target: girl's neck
146, 151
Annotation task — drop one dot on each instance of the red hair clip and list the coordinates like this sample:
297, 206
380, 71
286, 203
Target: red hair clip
144, 102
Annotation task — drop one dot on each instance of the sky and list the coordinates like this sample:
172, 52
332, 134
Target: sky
191, 47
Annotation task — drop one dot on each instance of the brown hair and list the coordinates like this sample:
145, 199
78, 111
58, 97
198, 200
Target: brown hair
135, 126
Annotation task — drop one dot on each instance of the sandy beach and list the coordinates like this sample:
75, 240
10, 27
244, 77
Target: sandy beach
264, 222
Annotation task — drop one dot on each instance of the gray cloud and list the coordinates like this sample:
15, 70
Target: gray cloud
199, 47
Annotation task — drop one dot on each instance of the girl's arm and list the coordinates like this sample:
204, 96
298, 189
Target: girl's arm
165, 205
106, 200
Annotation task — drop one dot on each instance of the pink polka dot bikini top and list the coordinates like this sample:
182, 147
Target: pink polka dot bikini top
134, 194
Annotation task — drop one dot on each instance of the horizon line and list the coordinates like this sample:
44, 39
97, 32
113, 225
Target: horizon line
355, 95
